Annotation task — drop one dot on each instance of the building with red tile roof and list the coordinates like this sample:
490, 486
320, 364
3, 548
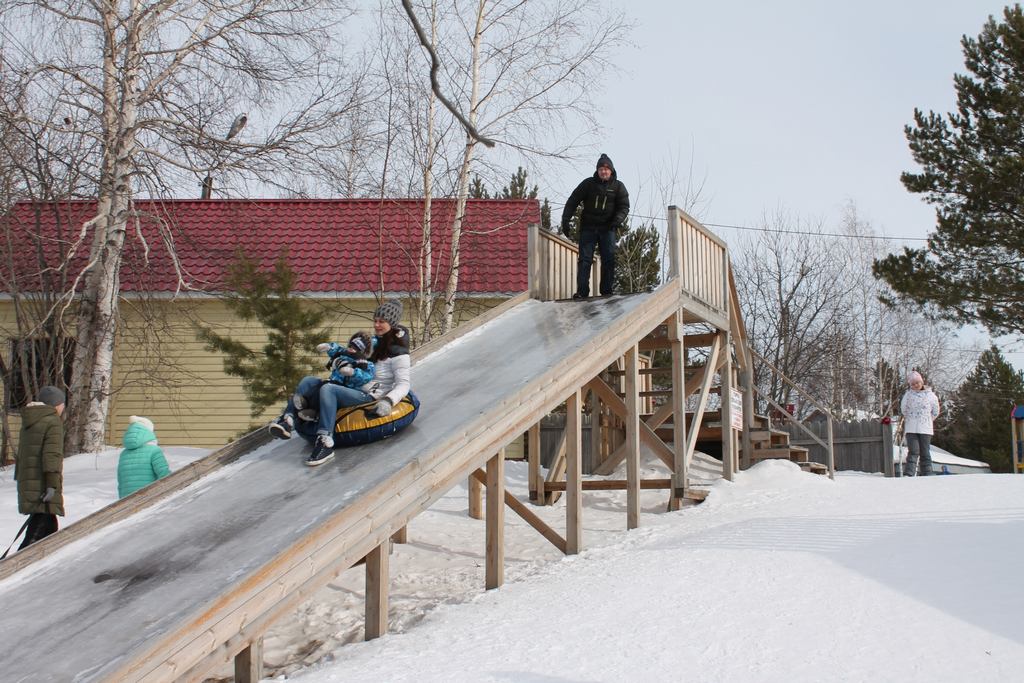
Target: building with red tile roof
350, 246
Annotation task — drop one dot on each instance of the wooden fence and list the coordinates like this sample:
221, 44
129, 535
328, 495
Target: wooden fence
863, 446
552, 265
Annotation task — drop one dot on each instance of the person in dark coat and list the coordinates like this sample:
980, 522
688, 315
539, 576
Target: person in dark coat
39, 467
605, 207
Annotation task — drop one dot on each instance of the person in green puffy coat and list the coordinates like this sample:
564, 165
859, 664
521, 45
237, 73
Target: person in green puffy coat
39, 467
141, 462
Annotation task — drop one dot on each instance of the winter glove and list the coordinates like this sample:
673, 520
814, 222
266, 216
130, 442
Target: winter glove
322, 348
383, 407
48, 496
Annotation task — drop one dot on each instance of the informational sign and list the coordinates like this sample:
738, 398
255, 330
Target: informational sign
736, 408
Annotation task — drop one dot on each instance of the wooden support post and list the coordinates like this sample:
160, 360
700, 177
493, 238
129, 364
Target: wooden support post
748, 410
377, 591
249, 663
402, 535
535, 481
728, 454
529, 517
495, 554
831, 451
573, 476
680, 475
632, 420
888, 466
476, 499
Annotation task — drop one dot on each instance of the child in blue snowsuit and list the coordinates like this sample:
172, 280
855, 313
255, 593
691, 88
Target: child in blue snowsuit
350, 370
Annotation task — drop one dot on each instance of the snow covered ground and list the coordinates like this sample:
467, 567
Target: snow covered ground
778, 576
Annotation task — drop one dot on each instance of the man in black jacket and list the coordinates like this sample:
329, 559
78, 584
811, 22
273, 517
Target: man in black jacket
605, 207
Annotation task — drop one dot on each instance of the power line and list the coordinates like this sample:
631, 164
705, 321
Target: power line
783, 231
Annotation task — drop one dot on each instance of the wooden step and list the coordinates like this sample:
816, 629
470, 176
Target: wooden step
813, 467
797, 454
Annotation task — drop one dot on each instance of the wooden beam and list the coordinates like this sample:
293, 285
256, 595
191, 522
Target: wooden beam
573, 476
476, 498
555, 472
728, 453
632, 443
495, 554
528, 515
647, 433
249, 663
617, 484
402, 535
377, 591
534, 480
680, 470
702, 401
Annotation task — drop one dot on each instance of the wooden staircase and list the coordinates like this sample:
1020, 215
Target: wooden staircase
768, 443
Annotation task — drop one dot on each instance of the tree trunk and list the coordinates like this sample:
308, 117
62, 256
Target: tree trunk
463, 183
426, 265
97, 318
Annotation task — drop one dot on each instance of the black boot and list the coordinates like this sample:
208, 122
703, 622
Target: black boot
323, 451
282, 427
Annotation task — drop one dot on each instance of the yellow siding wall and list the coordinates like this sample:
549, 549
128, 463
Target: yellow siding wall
163, 372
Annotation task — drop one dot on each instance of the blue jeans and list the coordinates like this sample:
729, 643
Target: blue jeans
326, 401
605, 240
918, 447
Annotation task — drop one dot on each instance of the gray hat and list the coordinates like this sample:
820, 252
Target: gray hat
51, 396
389, 311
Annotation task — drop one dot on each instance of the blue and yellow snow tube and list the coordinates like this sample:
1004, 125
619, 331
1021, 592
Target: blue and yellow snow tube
358, 425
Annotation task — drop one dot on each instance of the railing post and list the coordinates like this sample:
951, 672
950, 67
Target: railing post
534, 260
675, 243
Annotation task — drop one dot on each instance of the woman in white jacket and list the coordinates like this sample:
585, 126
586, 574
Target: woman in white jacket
919, 407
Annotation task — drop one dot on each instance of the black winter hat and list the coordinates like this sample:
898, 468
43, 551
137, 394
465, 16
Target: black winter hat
605, 160
362, 343
389, 311
51, 396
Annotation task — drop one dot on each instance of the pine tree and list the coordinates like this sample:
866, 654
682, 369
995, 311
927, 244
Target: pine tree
477, 190
293, 331
637, 263
979, 410
972, 165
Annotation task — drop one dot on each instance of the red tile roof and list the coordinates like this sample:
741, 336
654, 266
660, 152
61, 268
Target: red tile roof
334, 245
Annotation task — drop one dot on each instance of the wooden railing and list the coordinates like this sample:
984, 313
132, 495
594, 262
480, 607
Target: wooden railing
552, 265
700, 259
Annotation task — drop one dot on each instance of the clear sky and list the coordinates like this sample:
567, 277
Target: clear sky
792, 104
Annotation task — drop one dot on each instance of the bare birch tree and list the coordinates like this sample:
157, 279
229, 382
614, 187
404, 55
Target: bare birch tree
164, 87
522, 75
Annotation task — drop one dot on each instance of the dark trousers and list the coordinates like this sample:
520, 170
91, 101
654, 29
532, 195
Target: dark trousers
40, 526
919, 455
605, 240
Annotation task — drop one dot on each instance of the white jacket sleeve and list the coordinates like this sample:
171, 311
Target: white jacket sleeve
401, 369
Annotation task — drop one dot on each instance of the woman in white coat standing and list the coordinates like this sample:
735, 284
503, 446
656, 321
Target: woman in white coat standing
919, 407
